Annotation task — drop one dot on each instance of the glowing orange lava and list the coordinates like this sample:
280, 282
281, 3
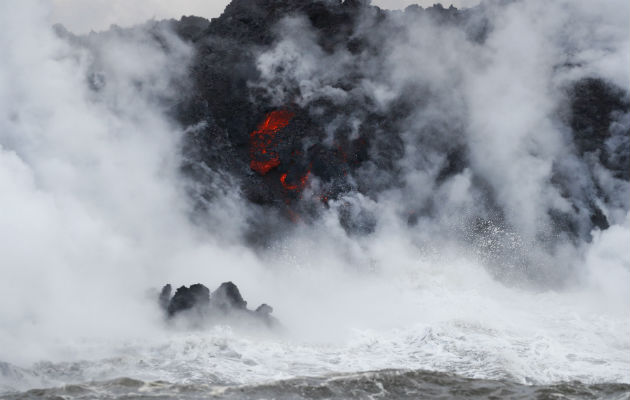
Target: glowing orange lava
262, 150
297, 186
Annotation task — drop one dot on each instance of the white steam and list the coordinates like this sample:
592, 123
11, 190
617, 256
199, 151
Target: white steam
94, 211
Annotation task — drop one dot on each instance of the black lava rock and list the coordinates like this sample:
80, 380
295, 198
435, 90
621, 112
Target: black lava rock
353, 145
224, 304
196, 296
595, 104
227, 297
344, 142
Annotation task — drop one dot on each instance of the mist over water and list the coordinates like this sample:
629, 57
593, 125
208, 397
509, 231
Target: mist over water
96, 212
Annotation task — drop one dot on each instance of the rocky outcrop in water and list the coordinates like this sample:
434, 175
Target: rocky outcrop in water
198, 304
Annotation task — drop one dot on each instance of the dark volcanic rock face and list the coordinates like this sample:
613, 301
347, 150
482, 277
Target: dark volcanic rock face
596, 110
298, 101
345, 145
332, 107
233, 105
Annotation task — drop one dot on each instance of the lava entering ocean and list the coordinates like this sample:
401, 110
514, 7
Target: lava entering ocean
263, 141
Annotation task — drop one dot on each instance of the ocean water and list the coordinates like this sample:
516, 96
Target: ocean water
476, 338
399, 384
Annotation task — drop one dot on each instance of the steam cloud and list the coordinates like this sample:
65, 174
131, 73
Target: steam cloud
474, 170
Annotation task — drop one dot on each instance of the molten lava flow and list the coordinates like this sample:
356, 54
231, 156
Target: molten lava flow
263, 154
297, 186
